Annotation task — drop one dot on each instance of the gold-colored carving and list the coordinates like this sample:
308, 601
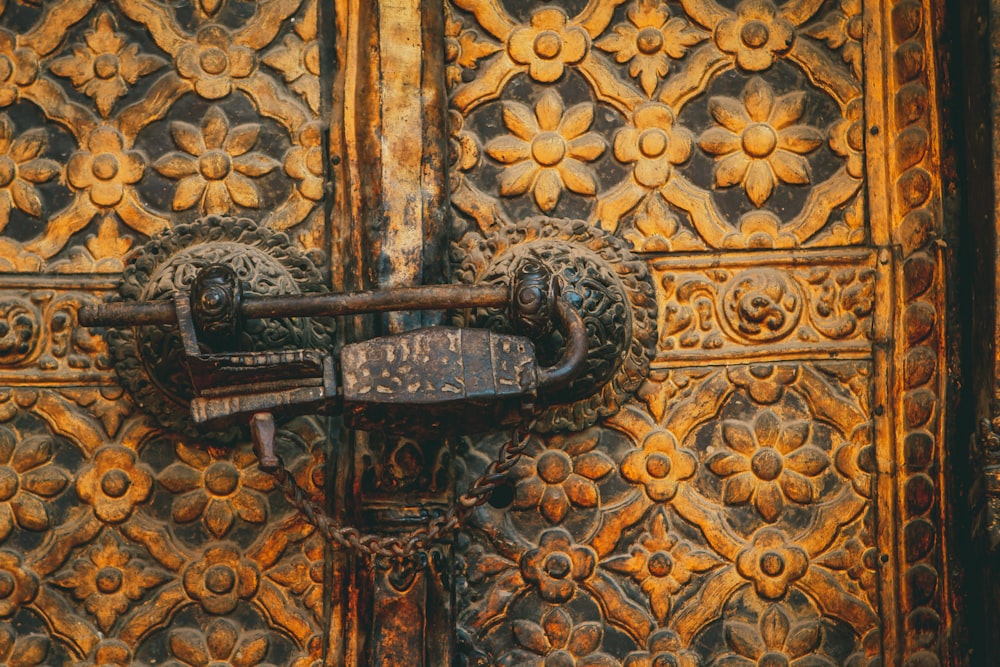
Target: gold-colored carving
215, 166
759, 125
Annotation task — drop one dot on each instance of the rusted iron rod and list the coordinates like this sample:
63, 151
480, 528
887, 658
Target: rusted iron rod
427, 297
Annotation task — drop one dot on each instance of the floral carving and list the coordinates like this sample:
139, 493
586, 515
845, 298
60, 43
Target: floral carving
18, 586
304, 161
22, 650
843, 28
221, 644
462, 49
756, 35
557, 565
773, 641
18, 68
111, 653
221, 578
21, 168
303, 574
661, 565
548, 45
106, 168
765, 383
659, 465
663, 650
654, 143
546, 151
217, 490
114, 483
463, 146
755, 142
215, 164
557, 642
108, 580
27, 475
555, 478
648, 41
772, 563
105, 65
298, 59
847, 138
767, 464
213, 63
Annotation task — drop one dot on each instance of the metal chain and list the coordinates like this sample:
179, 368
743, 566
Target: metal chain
418, 539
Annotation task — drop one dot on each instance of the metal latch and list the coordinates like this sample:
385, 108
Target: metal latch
426, 381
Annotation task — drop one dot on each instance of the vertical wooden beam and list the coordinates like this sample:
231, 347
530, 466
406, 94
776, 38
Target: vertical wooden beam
392, 229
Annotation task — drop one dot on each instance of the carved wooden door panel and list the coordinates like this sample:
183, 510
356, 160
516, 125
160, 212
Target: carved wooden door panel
772, 495
124, 543
770, 491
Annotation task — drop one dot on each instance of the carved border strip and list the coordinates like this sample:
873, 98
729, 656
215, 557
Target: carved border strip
737, 307
905, 205
41, 343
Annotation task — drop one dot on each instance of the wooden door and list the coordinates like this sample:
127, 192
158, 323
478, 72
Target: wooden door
771, 493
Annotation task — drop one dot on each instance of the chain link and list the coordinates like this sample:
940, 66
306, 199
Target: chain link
401, 547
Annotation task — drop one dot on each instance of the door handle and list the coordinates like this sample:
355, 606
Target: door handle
427, 381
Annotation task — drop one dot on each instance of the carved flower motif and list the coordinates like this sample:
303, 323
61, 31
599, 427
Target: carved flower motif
649, 40
304, 161
857, 559
108, 579
767, 463
654, 143
463, 147
221, 644
772, 563
217, 490
661, 565
215, 164
18, 68
557, 642
106, 65
20, 167
112, 653
546, 150
303, 574
756, 35
847, 138
765, 383
658, 465
27, 474
663, 650
756, 144
557, 565
17, 585
560, 476
220, 579
844, 29
462, 49
548, 45
774, 641
114, 483
298, 59
105, 168
213, 63
22, 650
